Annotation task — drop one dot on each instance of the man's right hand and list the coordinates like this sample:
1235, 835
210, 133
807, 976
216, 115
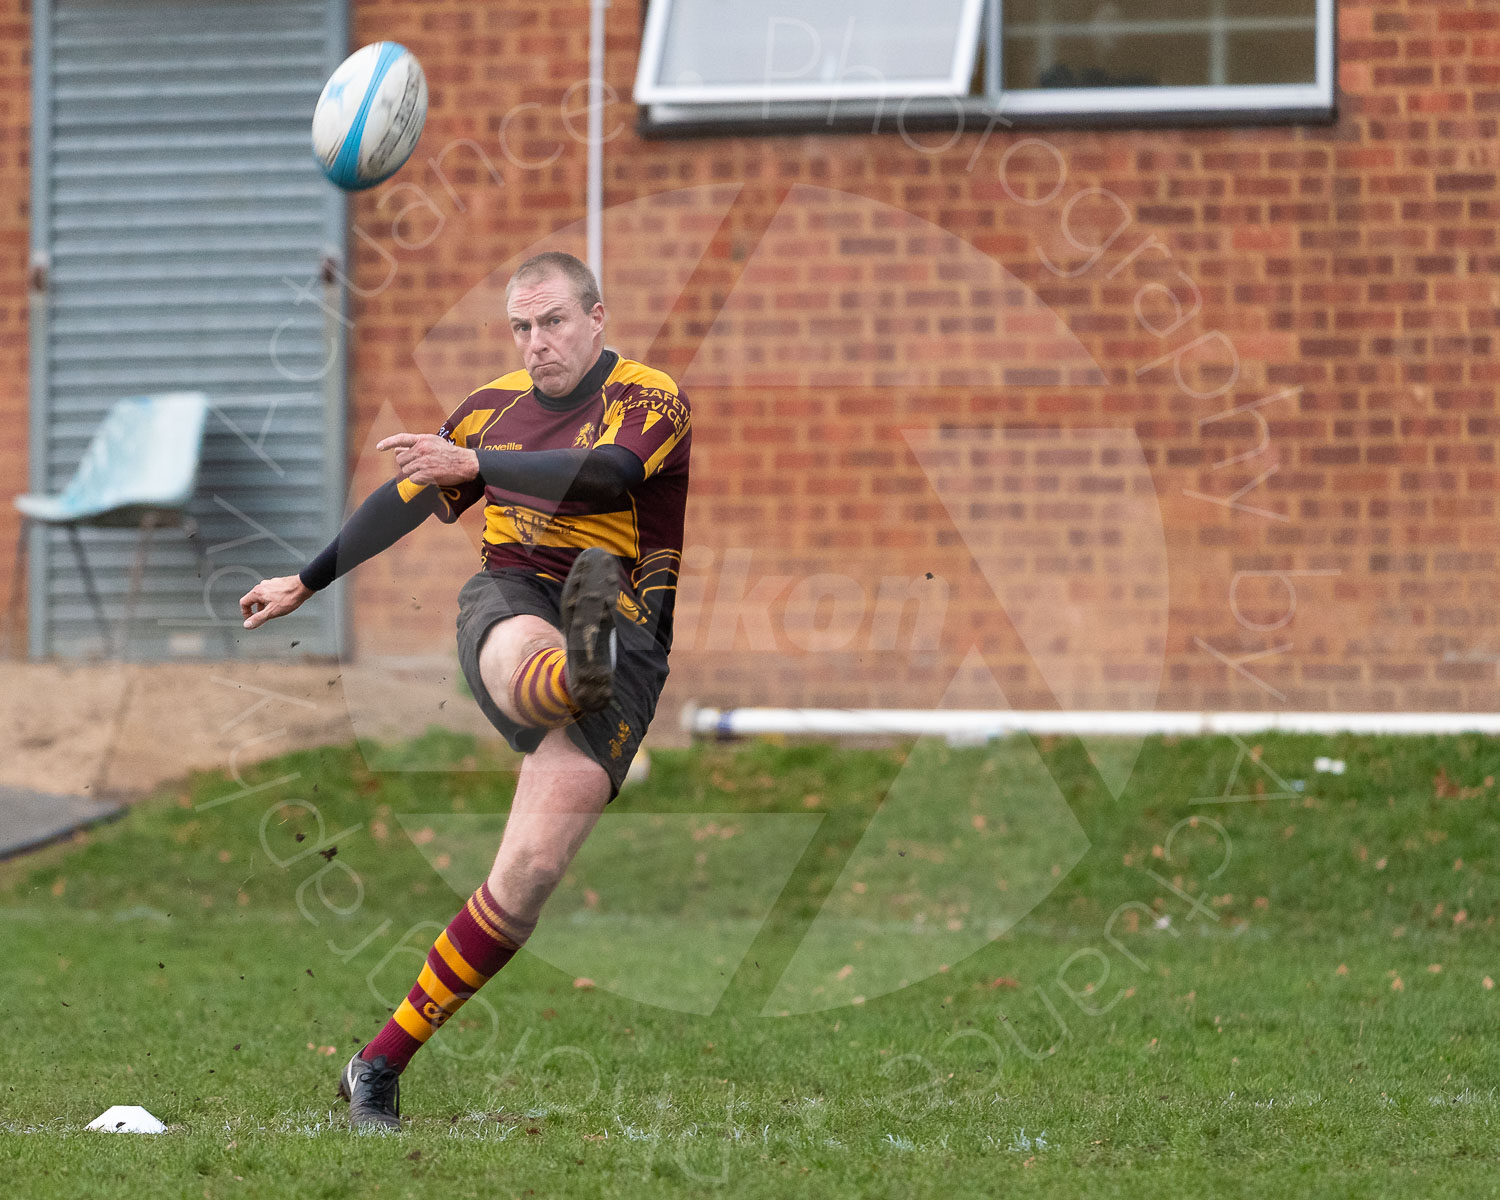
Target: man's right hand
273, 598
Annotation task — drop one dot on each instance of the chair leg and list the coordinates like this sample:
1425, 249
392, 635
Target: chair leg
137, 570
18, 573
88, 584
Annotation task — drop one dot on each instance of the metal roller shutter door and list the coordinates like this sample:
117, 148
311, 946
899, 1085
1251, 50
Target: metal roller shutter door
185, 240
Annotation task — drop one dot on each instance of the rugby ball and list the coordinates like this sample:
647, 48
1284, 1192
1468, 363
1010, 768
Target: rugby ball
370, 115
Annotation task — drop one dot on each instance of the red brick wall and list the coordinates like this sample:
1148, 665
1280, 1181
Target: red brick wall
889, 383
890, 325
15, 203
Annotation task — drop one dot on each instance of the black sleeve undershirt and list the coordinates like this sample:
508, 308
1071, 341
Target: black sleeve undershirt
601, 474
376, 525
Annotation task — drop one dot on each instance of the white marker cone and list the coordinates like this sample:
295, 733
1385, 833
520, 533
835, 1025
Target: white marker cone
127, 1118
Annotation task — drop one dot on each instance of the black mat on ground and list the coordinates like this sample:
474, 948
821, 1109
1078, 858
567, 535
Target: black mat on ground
30, 819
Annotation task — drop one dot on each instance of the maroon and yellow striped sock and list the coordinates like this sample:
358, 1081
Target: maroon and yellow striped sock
539, 689
480, 940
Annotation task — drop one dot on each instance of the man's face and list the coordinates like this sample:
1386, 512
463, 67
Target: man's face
558, 341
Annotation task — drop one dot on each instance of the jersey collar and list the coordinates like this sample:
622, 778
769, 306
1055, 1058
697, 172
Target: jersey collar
587, 387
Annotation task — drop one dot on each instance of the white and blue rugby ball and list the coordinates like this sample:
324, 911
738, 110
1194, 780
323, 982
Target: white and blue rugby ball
370, 115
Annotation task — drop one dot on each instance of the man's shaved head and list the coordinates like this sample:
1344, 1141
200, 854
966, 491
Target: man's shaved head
581, 281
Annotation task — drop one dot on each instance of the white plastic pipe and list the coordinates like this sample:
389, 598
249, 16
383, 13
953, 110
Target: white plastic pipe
961, 724
594, 202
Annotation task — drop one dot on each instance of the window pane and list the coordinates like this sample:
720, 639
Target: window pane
1270, 58
794, 44
1157, 43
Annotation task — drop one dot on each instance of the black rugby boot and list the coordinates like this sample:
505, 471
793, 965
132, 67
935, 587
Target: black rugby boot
588, 623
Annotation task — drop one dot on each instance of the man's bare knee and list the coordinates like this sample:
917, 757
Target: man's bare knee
505, 646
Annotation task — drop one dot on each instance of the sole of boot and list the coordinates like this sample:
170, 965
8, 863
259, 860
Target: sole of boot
588, 616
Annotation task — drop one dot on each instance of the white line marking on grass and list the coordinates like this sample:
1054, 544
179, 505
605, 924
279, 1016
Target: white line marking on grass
1467, 1096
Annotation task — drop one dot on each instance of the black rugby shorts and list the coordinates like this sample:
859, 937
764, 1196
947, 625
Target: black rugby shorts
611, 736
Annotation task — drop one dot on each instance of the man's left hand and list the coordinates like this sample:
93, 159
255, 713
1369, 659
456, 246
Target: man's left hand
425, 458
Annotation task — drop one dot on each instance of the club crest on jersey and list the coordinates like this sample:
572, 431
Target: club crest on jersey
531, 525
586, 435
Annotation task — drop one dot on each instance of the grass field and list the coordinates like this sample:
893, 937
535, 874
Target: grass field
1240, 978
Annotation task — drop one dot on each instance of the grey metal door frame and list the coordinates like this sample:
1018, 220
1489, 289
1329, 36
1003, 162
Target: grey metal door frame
334, 303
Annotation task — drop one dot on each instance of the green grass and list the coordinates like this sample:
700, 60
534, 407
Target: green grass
932, 922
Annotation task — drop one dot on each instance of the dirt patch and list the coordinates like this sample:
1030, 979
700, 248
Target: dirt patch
123, 728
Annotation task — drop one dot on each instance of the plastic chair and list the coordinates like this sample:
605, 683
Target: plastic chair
139, 472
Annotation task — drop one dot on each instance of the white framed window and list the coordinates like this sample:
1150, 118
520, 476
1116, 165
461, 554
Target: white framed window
717, 51
741, 62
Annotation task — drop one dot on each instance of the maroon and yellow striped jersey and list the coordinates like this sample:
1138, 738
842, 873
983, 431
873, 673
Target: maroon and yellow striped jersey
638, 408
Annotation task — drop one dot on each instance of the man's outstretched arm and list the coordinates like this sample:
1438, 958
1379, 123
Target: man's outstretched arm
377, 524
431, 464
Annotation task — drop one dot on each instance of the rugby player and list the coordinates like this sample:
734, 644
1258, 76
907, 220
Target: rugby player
582, 461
